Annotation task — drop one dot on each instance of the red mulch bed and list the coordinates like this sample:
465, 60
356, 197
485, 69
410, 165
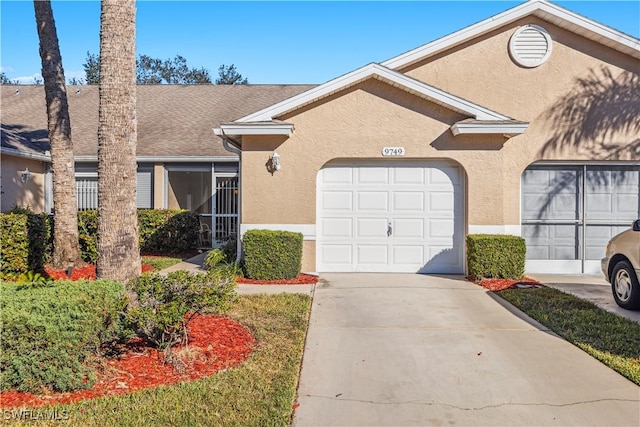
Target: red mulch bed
88, 272
215, 343
302, 279
502, 284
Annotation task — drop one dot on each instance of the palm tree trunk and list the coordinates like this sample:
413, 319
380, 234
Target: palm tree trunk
118, 252
66, 248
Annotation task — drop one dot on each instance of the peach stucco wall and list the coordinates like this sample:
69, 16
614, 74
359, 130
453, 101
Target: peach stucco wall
357, 122
17, 193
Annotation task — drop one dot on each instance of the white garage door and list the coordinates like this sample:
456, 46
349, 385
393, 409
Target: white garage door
390, 217
569, 213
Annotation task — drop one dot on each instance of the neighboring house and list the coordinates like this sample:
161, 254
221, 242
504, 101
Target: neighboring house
526, 123
181, 163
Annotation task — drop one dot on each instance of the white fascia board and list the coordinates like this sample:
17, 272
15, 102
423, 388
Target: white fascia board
25, 154
167, 159
489, 128
374, 70
257, 129
624, 42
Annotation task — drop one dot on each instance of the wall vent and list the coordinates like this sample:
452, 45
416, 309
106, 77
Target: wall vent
530, 46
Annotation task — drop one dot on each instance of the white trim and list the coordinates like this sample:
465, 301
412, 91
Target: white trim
540, 8
514, 230
308, 230
550, 266
19, 153
462, 128
384, 74
168, 159
256, 129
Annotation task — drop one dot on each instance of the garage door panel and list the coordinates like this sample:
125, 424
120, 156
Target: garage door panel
337, 176
439, 228
444, 255
408, 228
408, 254
337, 201
337, 227
372, 254
371, 227
372, 201
408, 176
373, 176
442, 204
408, 201
444, 175
336, 254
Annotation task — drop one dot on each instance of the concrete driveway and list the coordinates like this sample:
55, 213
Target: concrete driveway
400, 350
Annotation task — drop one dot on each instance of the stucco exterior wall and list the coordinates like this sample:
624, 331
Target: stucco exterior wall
16, 193
358, 122
551, 97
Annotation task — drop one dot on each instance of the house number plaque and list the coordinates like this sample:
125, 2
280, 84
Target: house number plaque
393, 151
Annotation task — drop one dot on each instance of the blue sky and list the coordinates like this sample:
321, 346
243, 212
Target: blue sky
269, 42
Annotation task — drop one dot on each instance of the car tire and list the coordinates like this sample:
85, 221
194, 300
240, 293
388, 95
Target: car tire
625, 287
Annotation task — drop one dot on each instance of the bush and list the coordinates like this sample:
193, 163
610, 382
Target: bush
167, 231
159, 304
24, 241
496, 256
52, 331
88, 235
270, 255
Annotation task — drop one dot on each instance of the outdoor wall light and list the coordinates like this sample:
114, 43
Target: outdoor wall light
24, 175
275, 161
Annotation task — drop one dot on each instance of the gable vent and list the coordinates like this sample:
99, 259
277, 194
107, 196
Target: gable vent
530, 46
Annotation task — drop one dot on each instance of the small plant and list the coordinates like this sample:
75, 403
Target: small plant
32, 278
161, 307
214, 258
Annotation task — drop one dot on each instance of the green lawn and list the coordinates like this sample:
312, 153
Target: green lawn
612, 339
160, 262
259, 392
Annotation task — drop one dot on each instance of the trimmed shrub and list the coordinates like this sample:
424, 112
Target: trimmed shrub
24, 241
88, 235
159, 304
498, 256
167, 231
270, 255
52, 331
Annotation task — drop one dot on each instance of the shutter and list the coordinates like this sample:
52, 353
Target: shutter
144, 191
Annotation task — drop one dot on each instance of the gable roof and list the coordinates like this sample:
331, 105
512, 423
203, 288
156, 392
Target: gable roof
173, 120
384, 74
542, 9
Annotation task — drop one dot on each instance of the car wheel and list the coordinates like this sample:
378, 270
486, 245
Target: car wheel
625, 287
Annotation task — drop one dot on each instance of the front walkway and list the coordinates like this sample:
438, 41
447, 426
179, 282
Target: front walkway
400, 350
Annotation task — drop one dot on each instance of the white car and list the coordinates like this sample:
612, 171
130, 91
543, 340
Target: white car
621, 267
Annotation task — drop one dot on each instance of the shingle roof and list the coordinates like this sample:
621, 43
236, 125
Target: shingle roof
173, 120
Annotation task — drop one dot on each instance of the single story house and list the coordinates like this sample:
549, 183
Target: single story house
181, 163
525, 123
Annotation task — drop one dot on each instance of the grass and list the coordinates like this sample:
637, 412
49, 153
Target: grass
160, 262
612, 339
259, 392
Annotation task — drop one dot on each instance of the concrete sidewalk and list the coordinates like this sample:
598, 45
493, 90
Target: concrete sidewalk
400, 350
194, 265
591, 288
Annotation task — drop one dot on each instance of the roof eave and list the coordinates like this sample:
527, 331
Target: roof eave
507, 129
240, 129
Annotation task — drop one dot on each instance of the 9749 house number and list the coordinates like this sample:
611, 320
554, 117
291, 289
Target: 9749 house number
393, 151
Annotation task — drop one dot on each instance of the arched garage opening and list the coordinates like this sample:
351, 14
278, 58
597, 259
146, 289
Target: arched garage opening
570, 211
390, 216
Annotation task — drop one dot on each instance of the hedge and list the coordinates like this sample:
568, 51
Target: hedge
270, 255
51, 332
496, 256
26, 237
24, 241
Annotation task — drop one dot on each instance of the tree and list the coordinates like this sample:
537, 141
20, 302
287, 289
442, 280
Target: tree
118, 252
228, 75
154, 71
92, 69
4, 80
66, 249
